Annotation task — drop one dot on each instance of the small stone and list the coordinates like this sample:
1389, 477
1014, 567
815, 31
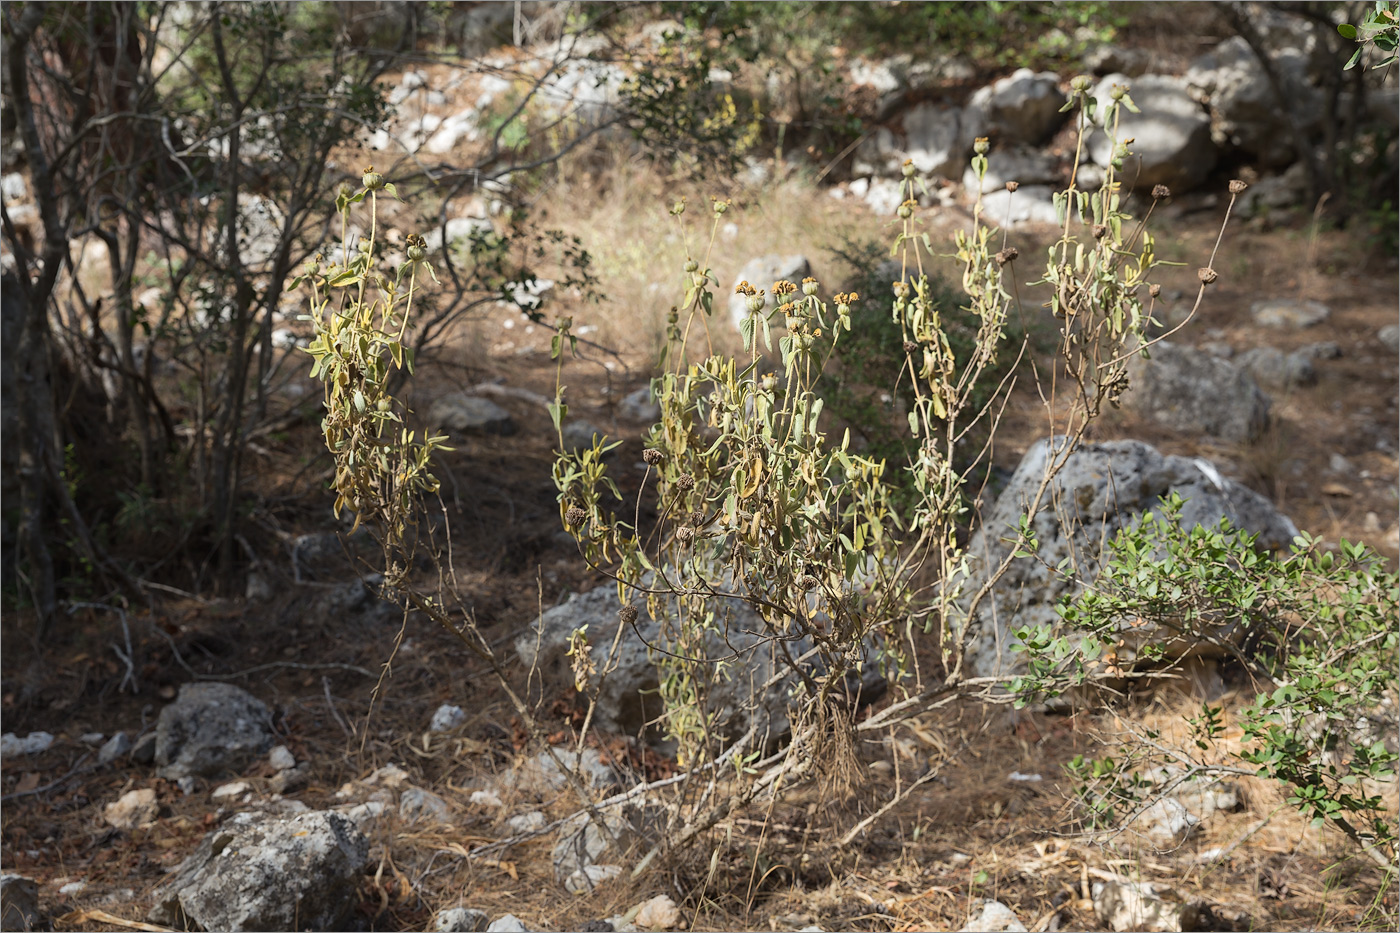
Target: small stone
365, 814
510, 923
19, 902
659, 913
232, 789
391, 776
469, 415
1130, 906
289, 780
91, 739
485, 798
579, 435
72, 888
115, 747
186, 784
586, 879
211, 729
994, 917
447, 718
32, 744
460, 920
638, 406
526, 822
1390, 336
132, 809
264, 872
1289, 312
1167, 823
280, 758
143, 750
416, 804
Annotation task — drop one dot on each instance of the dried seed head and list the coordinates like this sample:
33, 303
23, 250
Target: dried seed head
721, 206
372, 179
1237, 186
901, 289
1207, 275
1007, 255
685, 534
1012, 186
1154, 289
685, 482
652, 457
1160, 191
1100, 231
910, 347
678, 208
808, 582
697, 518
575, 516
628, 615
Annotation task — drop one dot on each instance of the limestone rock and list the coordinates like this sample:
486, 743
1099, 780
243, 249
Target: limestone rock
762, 273
1125, 906
211, 729
460, 920
1188, 390
1274, 369
639, 406
1289, 313
1171, 135
659, 913
1101, 489
417, 804
266, 873
993, 917
1019, 164
1023, 107
467, 415
19, 902
132, 809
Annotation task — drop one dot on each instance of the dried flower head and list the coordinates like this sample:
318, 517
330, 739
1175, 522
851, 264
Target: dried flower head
744, 288
1160, 191
652, 457
1154, 289
1012, 186
783, 287
685, 482
1100, 231
575, 516
1237, 186
1206, 275
910, 347
628, 615
685, 534
1007, 255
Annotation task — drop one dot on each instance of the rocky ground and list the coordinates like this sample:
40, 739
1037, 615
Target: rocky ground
307, 758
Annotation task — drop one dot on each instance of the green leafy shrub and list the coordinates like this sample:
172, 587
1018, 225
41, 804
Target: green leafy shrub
1315, 630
